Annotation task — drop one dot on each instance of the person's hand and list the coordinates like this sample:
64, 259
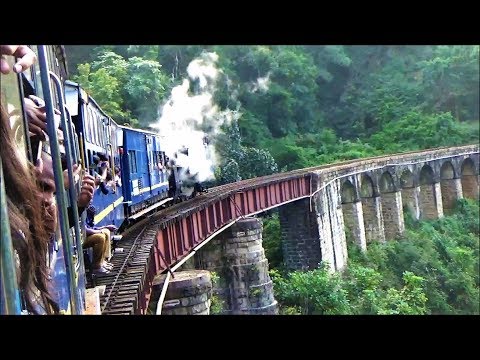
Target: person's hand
98, 180
50, 216
112, 228
86, 193
76, 173
37, 118
26, 55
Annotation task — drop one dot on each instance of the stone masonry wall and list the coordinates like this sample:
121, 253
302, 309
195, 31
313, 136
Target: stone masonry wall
300, 238
470, 186
410, 200
451, 191
373, 219
392, 210
428, 200
353, 218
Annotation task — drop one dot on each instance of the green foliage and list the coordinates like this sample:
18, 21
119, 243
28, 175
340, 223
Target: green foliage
433, 269
316, 105
272, 241
241, 162
452, 77
145, 88
114, 64
420, 131
444, 253
130, 90
104, 88
315, 292
228, 173
217, 305
257, 162
410, 300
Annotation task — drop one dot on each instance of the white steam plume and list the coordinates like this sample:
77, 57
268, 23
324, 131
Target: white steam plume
192, 121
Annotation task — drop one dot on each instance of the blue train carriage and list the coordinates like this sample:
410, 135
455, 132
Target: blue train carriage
99, 136
144, 172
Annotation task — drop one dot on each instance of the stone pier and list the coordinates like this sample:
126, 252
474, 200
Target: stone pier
392, 209
238, 259
246, 267
188, 293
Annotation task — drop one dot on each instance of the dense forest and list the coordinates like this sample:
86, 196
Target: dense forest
299, 106
432, 269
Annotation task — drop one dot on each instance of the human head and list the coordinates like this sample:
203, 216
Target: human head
29, 236
95, 159
46, 182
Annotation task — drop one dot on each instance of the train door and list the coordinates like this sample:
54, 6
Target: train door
152, 172
161, 187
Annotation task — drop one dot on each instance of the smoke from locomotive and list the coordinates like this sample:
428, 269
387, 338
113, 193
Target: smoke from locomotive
190, 121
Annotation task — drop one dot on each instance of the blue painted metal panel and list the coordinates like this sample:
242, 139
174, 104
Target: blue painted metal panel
145, 178
136, 150
93, 124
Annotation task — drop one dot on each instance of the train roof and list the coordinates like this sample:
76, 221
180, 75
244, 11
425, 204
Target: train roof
139, 130
89, 97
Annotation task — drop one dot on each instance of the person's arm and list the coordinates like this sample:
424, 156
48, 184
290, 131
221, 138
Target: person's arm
84, 198
91, 231
103, 188
112, 228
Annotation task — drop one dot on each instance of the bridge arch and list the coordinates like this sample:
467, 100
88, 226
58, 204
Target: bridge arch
392, 211
447, 171
348, 192
352, 211
366, 187
469, 179
427, 177
407, 179
372, 210
449, 186
430, 197
387, 184
409, 193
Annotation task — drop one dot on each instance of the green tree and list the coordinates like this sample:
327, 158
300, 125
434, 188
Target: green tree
410, 300
104, 88
272, 241
146, 86
451, 77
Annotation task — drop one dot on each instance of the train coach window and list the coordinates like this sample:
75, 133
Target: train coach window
36, 75
163, 159
89, 132
132, 161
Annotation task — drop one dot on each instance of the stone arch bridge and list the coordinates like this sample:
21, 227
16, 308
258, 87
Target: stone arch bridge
368, 198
